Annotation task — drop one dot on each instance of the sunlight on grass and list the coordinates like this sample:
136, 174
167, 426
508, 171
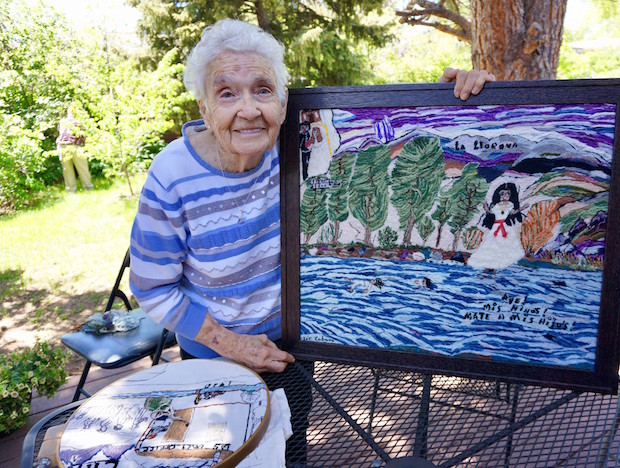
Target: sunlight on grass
11, 281
73, 245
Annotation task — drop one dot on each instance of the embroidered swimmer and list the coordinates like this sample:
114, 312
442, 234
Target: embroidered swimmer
365, 285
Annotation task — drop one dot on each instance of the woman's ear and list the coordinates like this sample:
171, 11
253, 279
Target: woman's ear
284, 106
203, 111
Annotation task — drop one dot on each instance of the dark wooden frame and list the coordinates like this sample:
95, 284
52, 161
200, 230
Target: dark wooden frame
604, 378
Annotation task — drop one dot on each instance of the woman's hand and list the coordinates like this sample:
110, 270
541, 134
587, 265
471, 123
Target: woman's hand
466, 82
254, 351
260, 354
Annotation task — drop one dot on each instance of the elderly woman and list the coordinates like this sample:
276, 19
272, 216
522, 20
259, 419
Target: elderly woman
205, 244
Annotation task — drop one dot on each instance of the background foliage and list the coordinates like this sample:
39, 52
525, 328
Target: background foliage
32, 90
132, 101
326, 42
46, 65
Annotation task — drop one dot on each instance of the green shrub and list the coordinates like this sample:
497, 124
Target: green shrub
22, 162
388, 238
41, 367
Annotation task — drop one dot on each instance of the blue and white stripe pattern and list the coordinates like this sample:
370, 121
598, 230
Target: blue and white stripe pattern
191, 254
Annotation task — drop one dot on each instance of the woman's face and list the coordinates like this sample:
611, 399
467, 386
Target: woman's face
243, 108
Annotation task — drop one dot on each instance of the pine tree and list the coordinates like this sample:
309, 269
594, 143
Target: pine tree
368, 193
326, 42
416, 179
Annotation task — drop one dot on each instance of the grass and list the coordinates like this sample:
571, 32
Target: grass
59, 261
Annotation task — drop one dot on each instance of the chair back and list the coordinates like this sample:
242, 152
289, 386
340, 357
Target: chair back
116, 291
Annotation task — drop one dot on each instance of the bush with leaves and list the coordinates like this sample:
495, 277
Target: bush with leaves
387, 238
127, 123
36, 45
22, 162
41, 367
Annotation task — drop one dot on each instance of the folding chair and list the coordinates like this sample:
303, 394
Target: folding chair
114, 350
36, 435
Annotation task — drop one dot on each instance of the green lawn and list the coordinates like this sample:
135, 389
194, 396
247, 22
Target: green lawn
58, 262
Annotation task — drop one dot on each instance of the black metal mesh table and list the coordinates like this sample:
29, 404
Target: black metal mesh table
364, 417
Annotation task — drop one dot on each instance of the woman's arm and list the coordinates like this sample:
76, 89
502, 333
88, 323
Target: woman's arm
254, 351
158, 250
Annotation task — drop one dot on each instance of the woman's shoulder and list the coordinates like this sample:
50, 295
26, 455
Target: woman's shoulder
170, 154
172, 163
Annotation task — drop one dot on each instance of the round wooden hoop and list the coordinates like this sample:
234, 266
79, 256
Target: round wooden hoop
206, 366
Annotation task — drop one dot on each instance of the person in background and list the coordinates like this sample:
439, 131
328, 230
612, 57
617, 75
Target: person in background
205, 243
69, 144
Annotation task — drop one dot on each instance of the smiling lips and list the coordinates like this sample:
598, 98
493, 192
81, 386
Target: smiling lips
249, 131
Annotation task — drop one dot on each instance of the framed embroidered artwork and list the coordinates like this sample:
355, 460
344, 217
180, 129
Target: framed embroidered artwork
476, 238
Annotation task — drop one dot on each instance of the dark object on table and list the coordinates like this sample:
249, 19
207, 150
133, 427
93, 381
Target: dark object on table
114, 350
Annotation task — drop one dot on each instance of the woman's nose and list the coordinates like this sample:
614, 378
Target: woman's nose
248, 107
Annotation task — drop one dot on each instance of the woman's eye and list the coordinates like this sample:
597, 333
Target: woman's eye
264, 91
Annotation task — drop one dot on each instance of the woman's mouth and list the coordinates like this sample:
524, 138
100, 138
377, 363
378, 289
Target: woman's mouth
249, 131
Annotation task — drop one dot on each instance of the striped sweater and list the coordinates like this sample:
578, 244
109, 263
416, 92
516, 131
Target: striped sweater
204, 241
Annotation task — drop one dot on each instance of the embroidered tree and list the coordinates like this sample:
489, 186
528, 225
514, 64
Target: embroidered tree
442, 213
472, 237
416, 178
326, 236
387, 237
313, 213
539, 225
425, 228
340, 170
368, 193
467, 193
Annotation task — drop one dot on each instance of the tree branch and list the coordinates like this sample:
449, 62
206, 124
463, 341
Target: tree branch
443, 28
262, 16
419, 12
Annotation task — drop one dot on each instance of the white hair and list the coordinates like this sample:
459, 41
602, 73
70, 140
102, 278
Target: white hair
236, 36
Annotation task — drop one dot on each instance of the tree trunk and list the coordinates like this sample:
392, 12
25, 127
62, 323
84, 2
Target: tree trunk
455, 242
517, 39
336, 232
262, 16
408, 231
438, 237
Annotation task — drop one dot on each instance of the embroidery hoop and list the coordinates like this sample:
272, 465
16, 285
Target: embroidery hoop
159, 382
